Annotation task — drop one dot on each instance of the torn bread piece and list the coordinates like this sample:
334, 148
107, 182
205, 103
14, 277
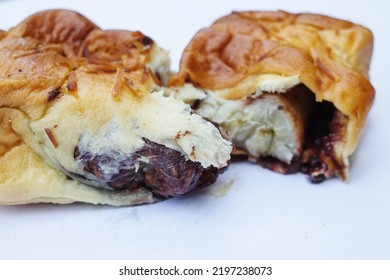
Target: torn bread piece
291, 90
83, 118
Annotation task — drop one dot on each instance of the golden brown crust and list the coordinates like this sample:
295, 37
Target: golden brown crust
330, 56
130, 50
37, 57
29, 72
55, 27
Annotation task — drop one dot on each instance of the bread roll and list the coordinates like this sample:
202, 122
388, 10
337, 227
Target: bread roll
291, 90
83, 118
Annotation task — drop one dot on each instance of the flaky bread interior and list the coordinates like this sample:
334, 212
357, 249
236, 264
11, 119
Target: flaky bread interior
79, 104
245, 53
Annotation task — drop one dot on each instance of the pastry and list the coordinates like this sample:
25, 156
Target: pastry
83, 117
291, 90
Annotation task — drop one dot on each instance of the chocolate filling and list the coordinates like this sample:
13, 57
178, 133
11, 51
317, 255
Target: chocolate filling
324, 127
164, 171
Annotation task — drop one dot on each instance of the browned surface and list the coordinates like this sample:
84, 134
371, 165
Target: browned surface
130, 50
55, 26
42, 52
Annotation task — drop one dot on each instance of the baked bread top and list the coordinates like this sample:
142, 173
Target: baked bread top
40, 53
329, 56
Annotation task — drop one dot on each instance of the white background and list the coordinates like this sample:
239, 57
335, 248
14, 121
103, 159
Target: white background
251, 213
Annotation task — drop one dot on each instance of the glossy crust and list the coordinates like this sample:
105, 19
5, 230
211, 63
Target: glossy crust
56, 27
37, 57
330, 56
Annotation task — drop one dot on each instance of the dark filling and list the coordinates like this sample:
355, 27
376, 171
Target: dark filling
323, 128
318, 159
165, 172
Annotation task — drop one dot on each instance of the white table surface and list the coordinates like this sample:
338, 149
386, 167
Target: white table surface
251, 213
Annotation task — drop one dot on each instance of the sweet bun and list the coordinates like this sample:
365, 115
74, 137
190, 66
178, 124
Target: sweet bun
291, 90
83, 117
